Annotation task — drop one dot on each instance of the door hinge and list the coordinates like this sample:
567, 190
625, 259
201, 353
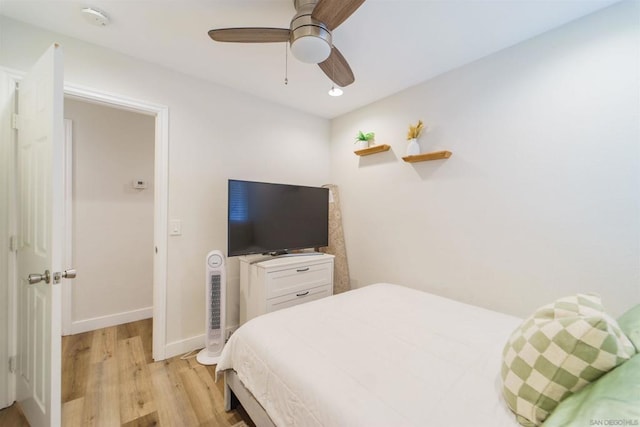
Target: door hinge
13, 244
12, 364
15, 121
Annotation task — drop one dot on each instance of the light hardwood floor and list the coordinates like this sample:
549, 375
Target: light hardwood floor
110, 379
12, 417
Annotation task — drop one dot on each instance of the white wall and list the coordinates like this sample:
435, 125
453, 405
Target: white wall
112, 221
541, 196
215, 133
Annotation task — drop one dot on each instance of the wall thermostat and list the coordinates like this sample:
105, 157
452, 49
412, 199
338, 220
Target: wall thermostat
139, 184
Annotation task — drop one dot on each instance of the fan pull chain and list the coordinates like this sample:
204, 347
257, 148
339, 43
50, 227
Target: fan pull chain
286, 63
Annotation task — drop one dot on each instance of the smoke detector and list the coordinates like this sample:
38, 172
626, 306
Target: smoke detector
95, 17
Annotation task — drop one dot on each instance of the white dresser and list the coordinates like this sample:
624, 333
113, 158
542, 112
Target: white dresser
269, 284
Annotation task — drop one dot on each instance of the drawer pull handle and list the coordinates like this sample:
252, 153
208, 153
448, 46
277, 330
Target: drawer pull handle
302, 294
300, 270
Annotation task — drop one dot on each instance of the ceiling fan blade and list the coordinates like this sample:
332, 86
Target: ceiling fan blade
334, 12
250, 35
337, 68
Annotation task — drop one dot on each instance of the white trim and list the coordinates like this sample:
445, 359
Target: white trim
161, 231
7, 229
107, 321
67, 251
194, 343
12, 276
161, 184
176, 348
13, 74
12, 279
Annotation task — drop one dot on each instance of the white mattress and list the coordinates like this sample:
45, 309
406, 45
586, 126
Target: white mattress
383, 355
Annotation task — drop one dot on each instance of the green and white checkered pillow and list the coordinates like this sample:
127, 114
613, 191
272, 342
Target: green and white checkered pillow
561, 348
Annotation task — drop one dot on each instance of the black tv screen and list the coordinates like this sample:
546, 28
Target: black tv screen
274, 218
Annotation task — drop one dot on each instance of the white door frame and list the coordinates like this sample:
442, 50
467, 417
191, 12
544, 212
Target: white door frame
7, 252
161, 186
67, 252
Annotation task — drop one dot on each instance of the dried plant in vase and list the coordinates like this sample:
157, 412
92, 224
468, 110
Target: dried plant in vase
412, 136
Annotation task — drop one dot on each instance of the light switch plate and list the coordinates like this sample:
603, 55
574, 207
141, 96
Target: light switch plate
175, 227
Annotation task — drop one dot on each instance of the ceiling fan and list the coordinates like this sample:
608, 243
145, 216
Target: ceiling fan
309, 34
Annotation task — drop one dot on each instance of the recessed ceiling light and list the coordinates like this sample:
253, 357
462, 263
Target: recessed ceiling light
95, 17
335, 91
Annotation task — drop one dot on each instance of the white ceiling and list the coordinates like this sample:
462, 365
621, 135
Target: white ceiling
390, 44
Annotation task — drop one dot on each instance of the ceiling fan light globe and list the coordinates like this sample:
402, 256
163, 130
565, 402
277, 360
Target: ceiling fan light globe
310, 49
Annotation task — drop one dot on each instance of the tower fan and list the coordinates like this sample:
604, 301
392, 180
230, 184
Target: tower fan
215, 308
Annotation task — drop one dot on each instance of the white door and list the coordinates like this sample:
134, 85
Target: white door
40, 225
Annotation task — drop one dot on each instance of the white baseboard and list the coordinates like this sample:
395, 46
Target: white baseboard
176, 348
171, 349
92, 324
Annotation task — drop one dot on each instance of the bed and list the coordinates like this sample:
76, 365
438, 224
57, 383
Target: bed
382, 355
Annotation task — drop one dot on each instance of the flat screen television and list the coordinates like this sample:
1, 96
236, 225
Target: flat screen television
266, 218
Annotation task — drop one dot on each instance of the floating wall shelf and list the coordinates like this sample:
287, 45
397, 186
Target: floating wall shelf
372, 150
436, 155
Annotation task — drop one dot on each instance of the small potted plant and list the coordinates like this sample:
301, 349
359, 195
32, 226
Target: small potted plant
412, 136
363, 139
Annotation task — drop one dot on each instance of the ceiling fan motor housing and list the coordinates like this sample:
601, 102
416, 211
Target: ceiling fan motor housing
310, 39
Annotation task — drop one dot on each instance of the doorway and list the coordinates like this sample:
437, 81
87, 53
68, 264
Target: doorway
160, 199
109, 215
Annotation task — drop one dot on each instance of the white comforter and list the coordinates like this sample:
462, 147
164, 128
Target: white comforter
383, 355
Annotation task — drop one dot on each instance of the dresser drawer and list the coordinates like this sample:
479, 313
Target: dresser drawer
299, 297
300, 278
268, 284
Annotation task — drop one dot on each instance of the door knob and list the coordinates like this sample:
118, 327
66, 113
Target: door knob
37, 278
